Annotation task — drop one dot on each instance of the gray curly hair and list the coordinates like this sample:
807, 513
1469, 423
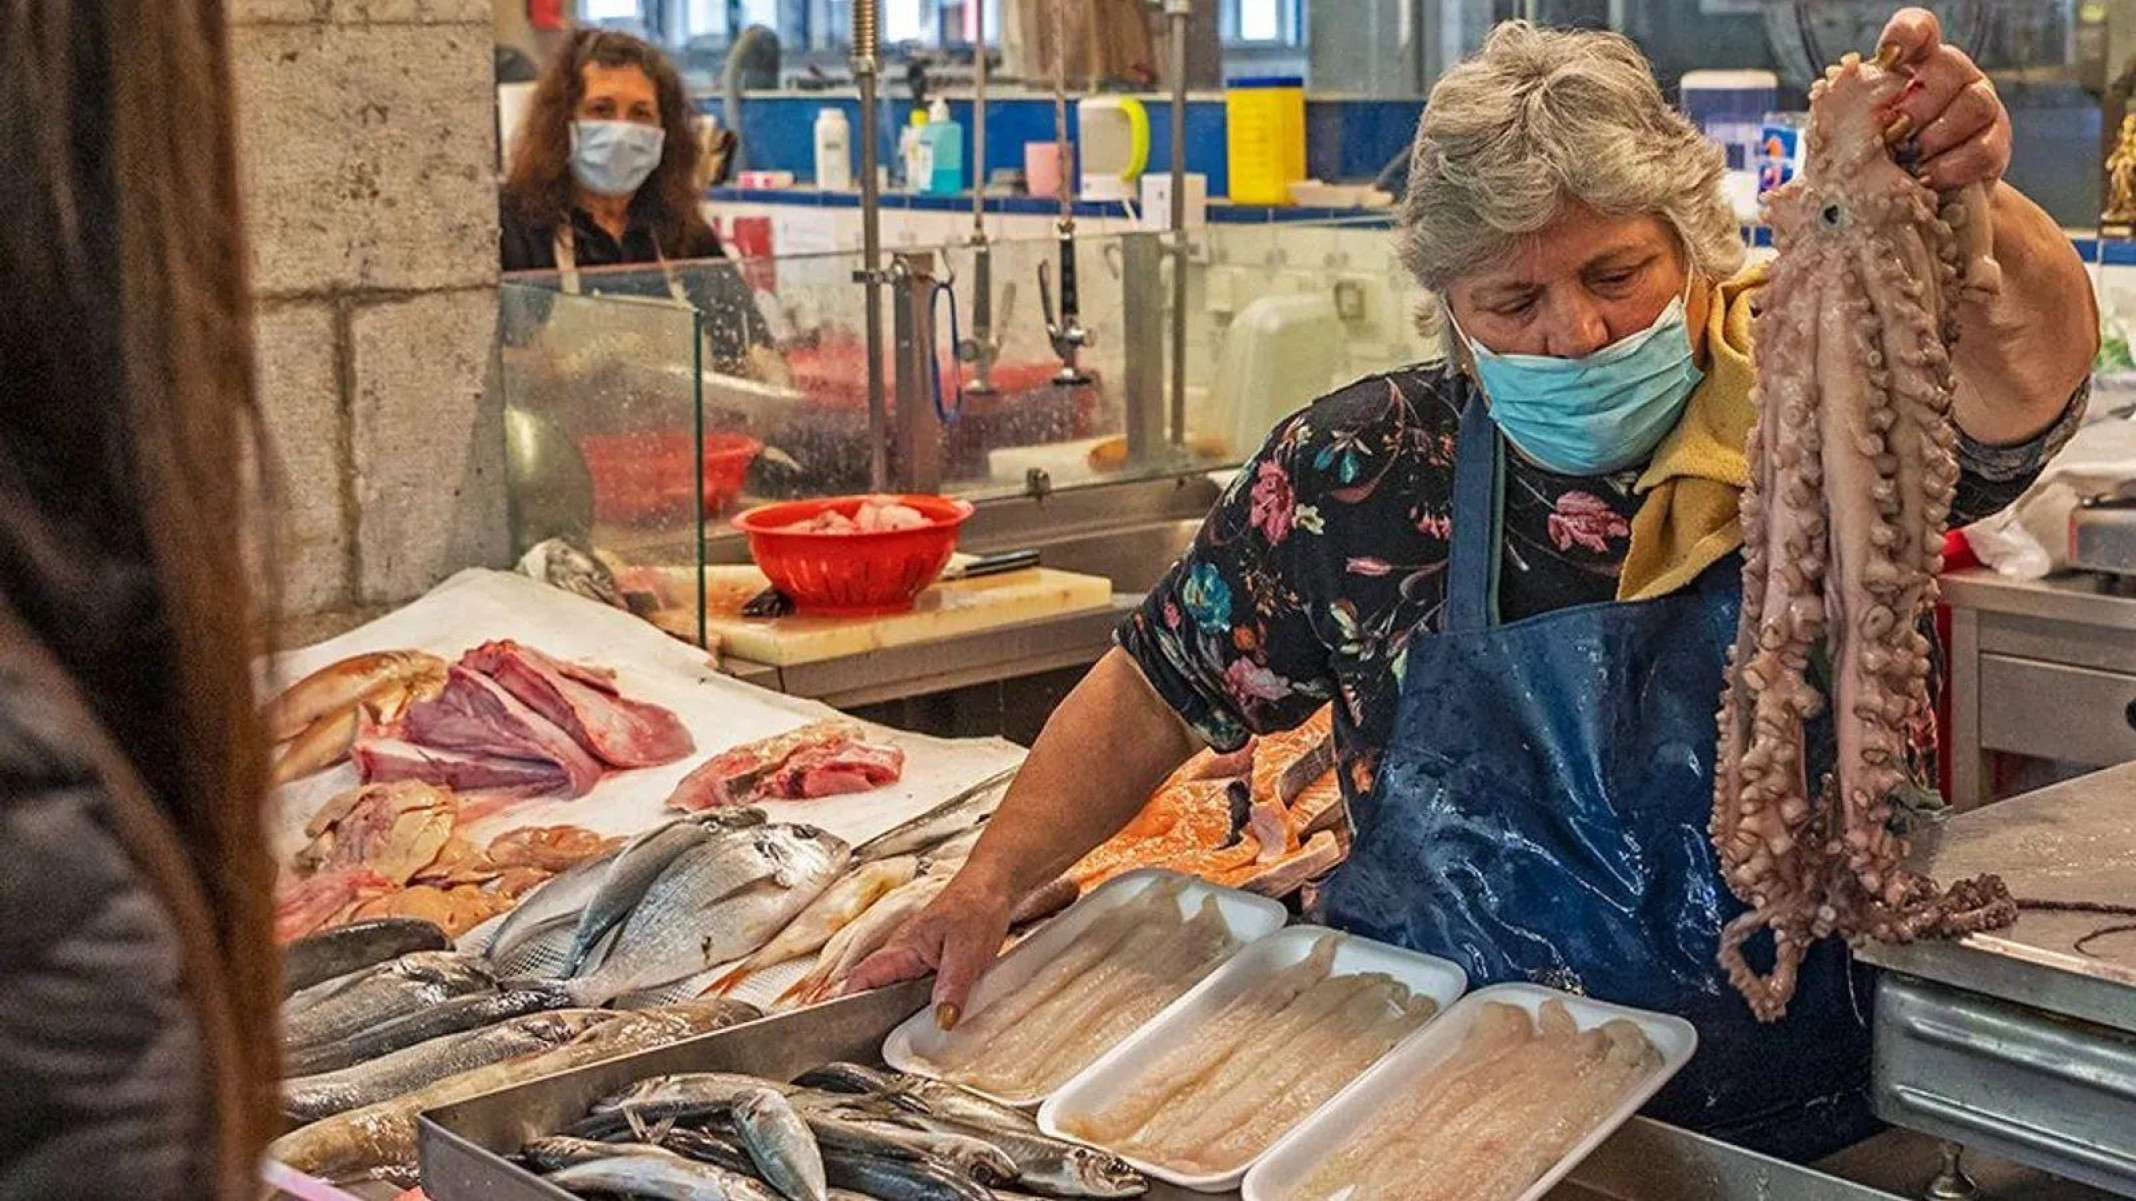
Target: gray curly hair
1541, 117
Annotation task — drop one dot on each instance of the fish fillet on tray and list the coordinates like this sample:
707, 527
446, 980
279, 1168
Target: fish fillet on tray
1071, 992
1196, 1096
1495, 1101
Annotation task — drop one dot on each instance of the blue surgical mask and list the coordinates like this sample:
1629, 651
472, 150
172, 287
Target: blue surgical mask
613, 157
1599, 413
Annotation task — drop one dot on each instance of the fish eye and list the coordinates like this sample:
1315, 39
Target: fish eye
1831, 216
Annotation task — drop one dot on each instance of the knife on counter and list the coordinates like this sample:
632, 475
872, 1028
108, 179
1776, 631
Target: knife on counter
773, 603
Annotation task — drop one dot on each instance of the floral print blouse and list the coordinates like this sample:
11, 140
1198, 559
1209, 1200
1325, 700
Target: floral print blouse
1330, 549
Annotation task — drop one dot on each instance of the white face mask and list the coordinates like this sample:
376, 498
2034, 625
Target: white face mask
612, 158
1598, 413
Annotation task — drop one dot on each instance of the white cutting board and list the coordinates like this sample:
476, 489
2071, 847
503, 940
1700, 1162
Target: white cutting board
944, 610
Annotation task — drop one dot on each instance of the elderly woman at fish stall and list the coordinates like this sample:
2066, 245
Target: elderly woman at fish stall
1515, 573
603, 174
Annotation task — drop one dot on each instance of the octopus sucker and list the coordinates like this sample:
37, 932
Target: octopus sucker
1853, 466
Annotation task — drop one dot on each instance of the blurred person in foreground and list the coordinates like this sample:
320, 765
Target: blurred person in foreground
137, 978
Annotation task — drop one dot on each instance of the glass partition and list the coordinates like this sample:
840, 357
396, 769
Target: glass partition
646, 409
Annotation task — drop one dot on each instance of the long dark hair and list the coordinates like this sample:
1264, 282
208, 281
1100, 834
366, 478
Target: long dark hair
126, 437
537, 188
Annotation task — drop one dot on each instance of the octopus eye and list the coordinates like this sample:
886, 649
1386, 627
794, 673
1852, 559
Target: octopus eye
1830, 216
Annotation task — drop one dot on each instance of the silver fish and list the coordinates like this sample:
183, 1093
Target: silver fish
901, 1179
1049, 1165
471, 1012
316, 958
865, 1132
623, 885
718, 902
941, 1099
343, 1006
309, 1098
656, 1097
946, 820
560, 898
781, 1143
553, 1151
663, 1175
378, 1141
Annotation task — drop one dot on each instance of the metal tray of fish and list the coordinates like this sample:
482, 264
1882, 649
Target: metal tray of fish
1104, 1081
1293, 1159
912, 1046
463, 1146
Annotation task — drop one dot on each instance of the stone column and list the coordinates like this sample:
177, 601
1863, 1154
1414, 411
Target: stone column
367, 150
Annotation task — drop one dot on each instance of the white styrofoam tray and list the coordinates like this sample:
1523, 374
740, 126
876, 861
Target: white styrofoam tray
1102, 1082
1296, 1154
1247, 916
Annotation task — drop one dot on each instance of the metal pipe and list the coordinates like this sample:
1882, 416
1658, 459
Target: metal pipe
1065, 330
1177, 13
983, 347
867, 61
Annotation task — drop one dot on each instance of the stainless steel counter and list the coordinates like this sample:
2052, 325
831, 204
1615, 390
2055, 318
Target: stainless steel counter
2018, 1041
2045, 668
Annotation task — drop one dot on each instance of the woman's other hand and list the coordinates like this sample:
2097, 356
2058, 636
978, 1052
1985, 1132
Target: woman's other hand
956, 937
1953, 114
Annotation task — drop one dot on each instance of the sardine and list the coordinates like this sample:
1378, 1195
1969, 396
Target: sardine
899, 1179
1050, 1165
339, 1008
862, 1134
471, 1012
840, 904
553, 1151
950, 1102
844, 1077
704, 1146
316, 958
716, 903
952, 817
310, 1098
378, 1142
781, 1144
655, 1097
663, 1175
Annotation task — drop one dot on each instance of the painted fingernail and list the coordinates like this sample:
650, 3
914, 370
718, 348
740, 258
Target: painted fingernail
946, 1016
1898, 130
1887, 55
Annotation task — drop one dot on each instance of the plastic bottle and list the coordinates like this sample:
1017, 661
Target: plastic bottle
945, 152
915, 153
834, 151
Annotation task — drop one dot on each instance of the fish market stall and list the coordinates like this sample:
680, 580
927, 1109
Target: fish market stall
2022, 1041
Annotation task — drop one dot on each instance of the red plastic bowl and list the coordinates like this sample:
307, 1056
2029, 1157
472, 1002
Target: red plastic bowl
853, 573
646, 476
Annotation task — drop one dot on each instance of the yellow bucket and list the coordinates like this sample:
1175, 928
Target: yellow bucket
1264, 138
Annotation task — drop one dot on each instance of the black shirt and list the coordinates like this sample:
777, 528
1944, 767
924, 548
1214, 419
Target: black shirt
711, 283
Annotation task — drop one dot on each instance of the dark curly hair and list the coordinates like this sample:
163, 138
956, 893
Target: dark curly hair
537, 188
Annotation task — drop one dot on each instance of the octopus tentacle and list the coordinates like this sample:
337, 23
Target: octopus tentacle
1853, 469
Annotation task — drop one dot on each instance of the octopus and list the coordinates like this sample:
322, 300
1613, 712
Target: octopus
1852, 467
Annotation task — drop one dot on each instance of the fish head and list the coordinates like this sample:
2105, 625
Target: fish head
1104, 1175
1851, 189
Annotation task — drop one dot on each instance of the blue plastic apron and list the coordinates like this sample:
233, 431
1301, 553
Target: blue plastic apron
1540, 815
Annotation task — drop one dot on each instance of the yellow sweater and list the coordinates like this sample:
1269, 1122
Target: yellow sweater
1688, 520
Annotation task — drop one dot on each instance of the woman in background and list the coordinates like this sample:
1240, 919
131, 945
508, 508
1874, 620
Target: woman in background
604, 174
137, 979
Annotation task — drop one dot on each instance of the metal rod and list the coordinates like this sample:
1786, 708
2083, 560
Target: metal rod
983, 345
1065, 330
867, 52
1177, 13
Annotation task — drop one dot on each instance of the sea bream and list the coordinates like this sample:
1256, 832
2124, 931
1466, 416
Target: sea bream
715, 904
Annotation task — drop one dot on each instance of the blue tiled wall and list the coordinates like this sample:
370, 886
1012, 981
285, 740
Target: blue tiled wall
1346, 140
